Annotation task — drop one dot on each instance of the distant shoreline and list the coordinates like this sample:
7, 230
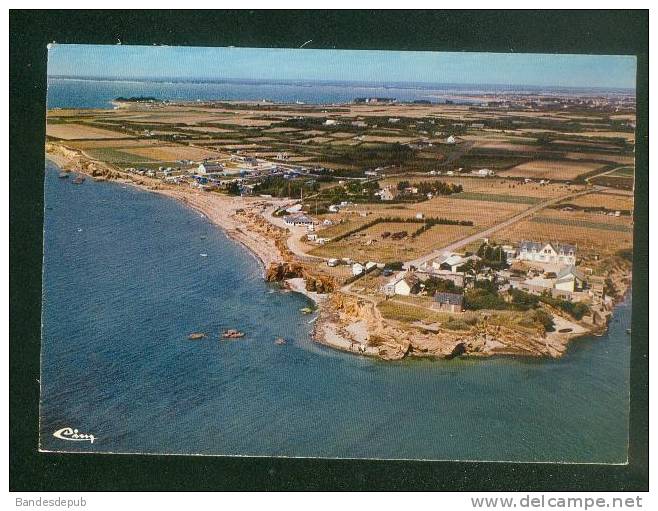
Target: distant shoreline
456, 87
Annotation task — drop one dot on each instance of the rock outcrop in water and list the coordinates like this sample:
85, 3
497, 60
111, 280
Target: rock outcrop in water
391, 340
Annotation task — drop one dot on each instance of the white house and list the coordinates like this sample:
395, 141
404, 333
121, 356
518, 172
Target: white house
210, 168
357, 269
451, 262
570, 279
484, 172
553, 253
404, 285
387, 193
294, 209
297, 220
330, 122
451, 140
510, 252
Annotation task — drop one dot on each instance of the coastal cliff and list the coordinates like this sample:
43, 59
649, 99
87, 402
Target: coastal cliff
352, 323
278, 272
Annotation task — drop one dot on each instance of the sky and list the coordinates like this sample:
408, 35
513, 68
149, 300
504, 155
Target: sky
126, 62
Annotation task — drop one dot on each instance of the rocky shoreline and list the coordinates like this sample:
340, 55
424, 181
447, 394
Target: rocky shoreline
344, 321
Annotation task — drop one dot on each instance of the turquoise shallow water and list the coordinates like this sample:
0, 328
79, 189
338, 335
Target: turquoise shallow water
124, 283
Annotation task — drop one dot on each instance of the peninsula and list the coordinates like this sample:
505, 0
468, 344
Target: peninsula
501, 226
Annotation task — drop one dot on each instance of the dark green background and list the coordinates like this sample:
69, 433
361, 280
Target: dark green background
600, 32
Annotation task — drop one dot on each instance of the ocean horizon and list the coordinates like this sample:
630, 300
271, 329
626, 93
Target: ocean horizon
98, 92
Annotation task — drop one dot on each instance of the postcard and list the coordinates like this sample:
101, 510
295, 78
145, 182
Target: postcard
338, 254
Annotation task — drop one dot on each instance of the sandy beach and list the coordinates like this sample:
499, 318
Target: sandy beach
219, 209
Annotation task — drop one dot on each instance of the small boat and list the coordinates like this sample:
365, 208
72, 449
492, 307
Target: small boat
63, 175
204, 255
279, 341
195, 336
628, 331
79, 180
232, 334
306, 310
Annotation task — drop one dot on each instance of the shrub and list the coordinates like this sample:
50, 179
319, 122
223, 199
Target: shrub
436, 284
545, 319
575, 309
625, 253
456, 324
233, 189
523, 300
478, 298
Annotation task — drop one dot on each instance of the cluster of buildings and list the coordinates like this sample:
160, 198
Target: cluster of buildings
411, 283
534, 267
355, 267
242, 170
297, 218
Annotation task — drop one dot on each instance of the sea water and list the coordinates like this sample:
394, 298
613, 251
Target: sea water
99, 93
125, 283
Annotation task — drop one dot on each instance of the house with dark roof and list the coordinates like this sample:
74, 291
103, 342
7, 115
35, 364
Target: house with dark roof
449, 302
296, 220
551, 253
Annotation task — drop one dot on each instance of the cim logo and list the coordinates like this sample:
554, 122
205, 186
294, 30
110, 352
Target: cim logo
73, 435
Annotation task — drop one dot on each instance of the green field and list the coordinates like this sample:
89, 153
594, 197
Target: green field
623, 172
492, 197
582, 223
111, 155
409, 313
618, 181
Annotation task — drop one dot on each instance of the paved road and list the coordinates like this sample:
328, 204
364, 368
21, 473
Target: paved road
293, 242
461, 150
615, 190
487, 232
